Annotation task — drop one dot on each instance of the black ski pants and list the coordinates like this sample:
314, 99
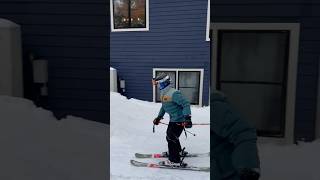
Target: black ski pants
173, 133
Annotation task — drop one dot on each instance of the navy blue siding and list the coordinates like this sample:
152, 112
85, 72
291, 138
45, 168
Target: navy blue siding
73, 36
305, 12
176, 39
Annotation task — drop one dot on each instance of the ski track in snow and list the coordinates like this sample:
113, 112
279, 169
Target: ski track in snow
131, 132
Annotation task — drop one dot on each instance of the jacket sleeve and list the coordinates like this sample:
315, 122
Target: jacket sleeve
179, 99
161, 112
230, 126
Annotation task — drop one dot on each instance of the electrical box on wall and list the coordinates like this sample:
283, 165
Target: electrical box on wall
11, 75
113, 80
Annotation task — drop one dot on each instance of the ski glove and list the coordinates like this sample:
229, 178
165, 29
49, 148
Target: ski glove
249, 174
157, 120
188, 122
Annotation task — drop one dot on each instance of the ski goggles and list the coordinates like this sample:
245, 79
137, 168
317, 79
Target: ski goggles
160, 81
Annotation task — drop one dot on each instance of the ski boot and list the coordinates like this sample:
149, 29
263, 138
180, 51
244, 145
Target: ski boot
173, 164
165, 154
182, 153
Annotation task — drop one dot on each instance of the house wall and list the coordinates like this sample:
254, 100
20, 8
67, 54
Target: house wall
176, 39
72, 36
305, 12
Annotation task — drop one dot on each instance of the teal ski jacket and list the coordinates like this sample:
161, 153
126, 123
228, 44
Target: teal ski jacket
175, 104
233, 141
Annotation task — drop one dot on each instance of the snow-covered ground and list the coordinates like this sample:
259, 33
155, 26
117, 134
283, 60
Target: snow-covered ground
131, 131
34, 145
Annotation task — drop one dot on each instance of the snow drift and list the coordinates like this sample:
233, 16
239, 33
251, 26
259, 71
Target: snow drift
35, 145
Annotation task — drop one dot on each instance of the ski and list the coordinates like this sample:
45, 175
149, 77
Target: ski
154, 165
164, 155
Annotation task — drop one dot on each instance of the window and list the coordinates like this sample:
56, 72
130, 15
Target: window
188, 81
189, 85
255, 64
172, 75
253, 67
129, 15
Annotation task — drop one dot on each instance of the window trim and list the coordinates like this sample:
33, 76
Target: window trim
208, 22
177, 80
294, 29
129, 29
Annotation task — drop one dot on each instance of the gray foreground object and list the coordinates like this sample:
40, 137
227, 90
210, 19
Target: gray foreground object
11, 74
35, 146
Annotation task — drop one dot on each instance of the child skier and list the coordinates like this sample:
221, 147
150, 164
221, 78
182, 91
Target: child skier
233, 141
178, 108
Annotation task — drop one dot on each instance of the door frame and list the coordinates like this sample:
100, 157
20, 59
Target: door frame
294, 29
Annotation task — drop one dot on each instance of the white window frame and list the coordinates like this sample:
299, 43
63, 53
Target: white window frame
208, 23
177, 80
129, 29
294, 29
318, 106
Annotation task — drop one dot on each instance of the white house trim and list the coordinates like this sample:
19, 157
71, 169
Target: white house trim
294, 29
208, 23
177, 80
129, 29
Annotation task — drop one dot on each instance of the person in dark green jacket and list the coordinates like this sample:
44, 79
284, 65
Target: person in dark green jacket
178, 108
233, 143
